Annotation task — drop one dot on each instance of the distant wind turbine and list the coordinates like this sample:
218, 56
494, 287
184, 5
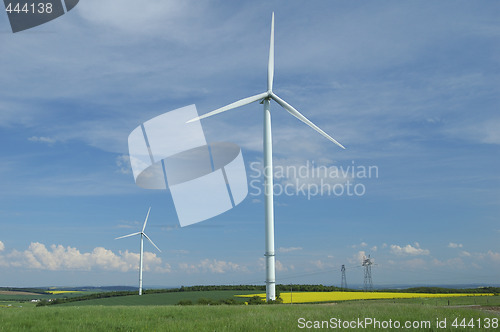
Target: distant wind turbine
142, 248
265, 98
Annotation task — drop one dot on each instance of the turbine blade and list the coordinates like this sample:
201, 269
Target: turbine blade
121, 237
270, 66
147, 237
302, 118
238, 103
146, 220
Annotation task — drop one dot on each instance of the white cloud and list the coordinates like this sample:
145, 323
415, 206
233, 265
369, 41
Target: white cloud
280, 267
357, 259
414, 264
180, 251
123, 163
456, 263
409, 250
289, 249
166, 268
299, 173
374, 248
154, 17
361, 245
42, 139
361, 256
494, 256
188, 268
3, 262
485, 131
216, 266
60, 258
455, 245
322, 265
127, 226
56, 179
212, 266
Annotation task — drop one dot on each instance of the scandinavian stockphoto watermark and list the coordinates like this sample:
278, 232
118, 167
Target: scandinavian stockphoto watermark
205, 179
310, 180
170, 152
372, 323
363, 323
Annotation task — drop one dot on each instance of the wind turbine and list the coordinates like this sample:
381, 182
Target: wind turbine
265, 98
142, 248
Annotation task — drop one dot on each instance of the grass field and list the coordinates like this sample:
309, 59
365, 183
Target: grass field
452, 301
238, 318
158, 312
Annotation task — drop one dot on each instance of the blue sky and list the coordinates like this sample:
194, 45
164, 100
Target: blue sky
411, 88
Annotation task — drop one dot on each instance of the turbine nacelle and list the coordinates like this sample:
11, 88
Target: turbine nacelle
268, 95
141, 232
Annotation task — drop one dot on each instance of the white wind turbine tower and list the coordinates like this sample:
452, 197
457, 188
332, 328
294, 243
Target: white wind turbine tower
142, 248
265, 99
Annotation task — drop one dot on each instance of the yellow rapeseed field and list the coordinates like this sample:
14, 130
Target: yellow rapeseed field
63, 292
307, 297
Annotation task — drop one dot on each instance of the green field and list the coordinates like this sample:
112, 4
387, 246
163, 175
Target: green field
232, 318
161, 298
23, 299
17, 297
